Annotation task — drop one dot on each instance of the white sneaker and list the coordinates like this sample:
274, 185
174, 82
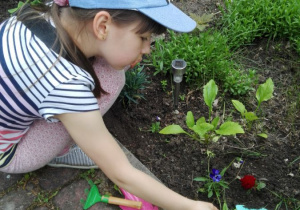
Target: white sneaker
75, 158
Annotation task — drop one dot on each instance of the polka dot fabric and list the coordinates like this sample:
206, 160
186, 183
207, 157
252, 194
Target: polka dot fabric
44, 141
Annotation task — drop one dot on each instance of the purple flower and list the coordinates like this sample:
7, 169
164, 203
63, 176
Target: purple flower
157, 118
215, 175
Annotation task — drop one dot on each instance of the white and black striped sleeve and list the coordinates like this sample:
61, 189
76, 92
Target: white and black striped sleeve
70, 97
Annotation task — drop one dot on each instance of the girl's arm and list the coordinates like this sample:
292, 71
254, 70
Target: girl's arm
91, 135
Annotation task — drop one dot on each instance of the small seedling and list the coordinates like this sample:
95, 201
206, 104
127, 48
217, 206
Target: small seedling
182, 97
164, 84
155, 127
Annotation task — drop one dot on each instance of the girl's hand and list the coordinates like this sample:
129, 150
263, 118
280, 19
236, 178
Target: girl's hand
200, 205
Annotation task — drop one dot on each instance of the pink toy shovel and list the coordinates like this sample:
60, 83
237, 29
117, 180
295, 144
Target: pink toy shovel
146, 205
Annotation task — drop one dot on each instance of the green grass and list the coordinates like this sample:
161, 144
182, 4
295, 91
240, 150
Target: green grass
244, 20
208, 57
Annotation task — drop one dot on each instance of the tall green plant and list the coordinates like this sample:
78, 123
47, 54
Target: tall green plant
263, 93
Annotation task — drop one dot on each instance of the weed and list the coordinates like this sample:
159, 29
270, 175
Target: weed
44, 197
88, 174
164, 84
25, 179
155, 127
182, 97
286, 202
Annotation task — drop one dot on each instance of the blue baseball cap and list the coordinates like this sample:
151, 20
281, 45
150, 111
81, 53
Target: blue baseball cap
161, 11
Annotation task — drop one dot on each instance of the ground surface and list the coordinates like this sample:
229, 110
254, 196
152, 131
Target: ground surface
176, 160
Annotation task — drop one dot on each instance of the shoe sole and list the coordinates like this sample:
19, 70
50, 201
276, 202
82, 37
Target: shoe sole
70, 166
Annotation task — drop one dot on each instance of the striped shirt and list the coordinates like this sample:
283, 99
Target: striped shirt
35, 83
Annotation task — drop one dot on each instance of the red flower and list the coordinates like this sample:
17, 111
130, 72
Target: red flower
248, 182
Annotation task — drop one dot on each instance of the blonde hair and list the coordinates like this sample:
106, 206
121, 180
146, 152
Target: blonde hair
69, 48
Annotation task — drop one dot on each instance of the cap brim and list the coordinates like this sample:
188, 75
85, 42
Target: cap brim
171, 17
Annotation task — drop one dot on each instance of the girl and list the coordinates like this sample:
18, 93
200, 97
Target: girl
46, 72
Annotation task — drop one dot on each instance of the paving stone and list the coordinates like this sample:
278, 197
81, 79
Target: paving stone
69, 198
51, 178
7, 180
16, 200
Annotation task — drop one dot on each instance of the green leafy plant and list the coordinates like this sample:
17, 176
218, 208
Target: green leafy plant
207, 56
23, 182
155, 127
44, 197
164, 84
263, 93
136, 80
214, 183
182, 97
203, 131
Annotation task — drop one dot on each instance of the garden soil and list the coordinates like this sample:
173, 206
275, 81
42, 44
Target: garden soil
176, 159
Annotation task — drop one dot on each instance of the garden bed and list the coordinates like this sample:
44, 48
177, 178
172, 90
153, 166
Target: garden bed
176, 159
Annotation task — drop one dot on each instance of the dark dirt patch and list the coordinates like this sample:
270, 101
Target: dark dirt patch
176, 160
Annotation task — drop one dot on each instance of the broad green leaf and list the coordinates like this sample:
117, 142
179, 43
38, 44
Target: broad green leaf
190, 121
215, 138
225, 207
209, 93
230, 128
35, 2
239, 106
201, 120
201, 190
250, 116
260, 185
20, 4
205, 18
161, 65
11, 11
224, 184
265, 91
210, 193
172, 129
201, 179
202, 27
202, 129
263, 135
215, 122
